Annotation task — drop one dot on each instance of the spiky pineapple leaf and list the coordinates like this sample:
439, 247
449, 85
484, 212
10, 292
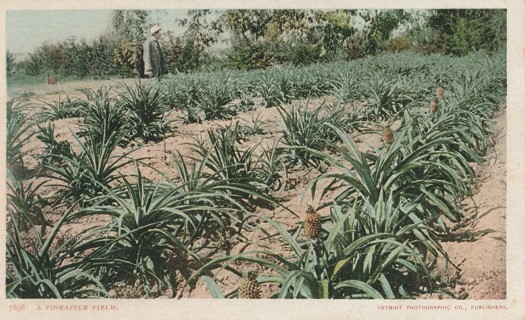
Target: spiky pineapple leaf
212, 287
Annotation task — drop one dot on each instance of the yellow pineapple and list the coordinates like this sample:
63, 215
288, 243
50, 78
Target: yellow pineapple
434, 107
248, 287
388, 135
440, 92
312, 223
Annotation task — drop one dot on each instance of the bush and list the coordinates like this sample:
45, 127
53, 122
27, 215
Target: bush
183, 54
70, 58
355, 47
246, 55
398, 44
426, 40
299, 52
128, 56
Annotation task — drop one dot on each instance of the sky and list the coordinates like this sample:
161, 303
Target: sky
28, 29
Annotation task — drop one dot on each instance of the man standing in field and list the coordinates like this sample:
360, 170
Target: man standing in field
153, 60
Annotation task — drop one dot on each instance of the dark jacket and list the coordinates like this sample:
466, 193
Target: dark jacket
153, 60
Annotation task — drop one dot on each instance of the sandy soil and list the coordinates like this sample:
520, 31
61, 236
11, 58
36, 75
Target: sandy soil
478, 245
477, 248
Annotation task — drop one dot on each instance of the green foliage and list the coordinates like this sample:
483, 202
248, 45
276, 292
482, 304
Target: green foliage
300, 52
10, 63
84, 176
335, 27
426, 40
411, 170
182, 54
343, 263
218, 91
398, 44
95, 59
246, 55
346, 86
259, 39
62, 109
39, 267
104, 116
464, 30
302, 128
269, 90
130, 25
396, 199
128, 56
70, 58
152, 231
145, 111
379, 27
305, 130
25, 203
18, 132
355, 47
253, 127
183, 93
199, 31
383, 208
233, 167
311, 36
386, 95
247, 23
54, 150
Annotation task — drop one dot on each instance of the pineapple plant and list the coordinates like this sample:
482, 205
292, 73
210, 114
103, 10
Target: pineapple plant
415, 122
312, 223
248, 287
434, 107
388, 135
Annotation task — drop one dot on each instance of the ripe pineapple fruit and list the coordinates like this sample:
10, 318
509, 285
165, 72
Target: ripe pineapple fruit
312, 223
440, 92
248, 287
434, 106
388, 135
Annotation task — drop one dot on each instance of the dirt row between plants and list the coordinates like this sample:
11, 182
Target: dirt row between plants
476, 248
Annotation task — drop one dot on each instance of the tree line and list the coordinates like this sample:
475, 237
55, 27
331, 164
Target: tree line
258, 39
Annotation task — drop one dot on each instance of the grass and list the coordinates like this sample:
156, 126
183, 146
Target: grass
20, 80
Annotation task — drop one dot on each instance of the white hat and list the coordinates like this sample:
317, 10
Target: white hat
154, 29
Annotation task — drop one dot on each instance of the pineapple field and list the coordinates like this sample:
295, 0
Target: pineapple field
378, 178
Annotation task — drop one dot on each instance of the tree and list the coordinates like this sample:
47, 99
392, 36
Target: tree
10, 63
248, 25
379, 27
189, 51
128, 29
335, 28
130, 25
310, 35
464, 30
197, 27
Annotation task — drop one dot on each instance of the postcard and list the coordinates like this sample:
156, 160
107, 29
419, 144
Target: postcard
265, 160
